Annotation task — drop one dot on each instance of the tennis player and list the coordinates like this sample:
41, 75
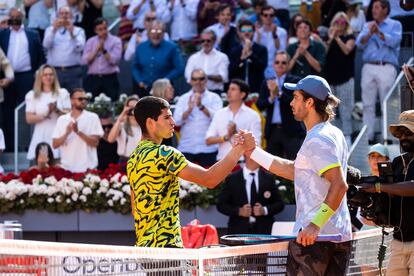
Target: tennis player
319, 176
153, 170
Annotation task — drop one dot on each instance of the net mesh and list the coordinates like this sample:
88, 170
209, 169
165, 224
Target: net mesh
19, 257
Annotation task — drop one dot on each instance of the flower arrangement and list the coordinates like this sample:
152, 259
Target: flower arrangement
104, 107
60, 191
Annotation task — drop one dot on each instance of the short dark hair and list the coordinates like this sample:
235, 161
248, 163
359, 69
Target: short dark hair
77, 89
326, 108
99, 21
384, 4
267, 7
307, 22
222, 7
259, 3
244, 87
149, 107
245, 22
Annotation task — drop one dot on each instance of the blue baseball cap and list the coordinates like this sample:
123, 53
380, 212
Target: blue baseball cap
379, 148
313, 85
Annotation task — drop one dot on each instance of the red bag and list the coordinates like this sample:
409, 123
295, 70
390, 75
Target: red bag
196, 235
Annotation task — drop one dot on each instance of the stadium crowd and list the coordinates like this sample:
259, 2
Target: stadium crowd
53, 52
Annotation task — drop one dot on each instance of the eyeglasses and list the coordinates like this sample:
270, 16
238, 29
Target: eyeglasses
156, 31
150, 18
198, 79
268, 14
206, 41
280, 62
403, 131
81, 99
107, 126
246, 30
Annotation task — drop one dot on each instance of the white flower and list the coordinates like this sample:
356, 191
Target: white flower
86, 191
21, 201
123, 201
126, 189
105, 183
110, 203
51, 180
182, 193
68, 200
124, 179
115, 177
75, 197
195, 189
82, 198
59, 199
282, 188
50, 199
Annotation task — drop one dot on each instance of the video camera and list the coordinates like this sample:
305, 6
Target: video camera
374, 206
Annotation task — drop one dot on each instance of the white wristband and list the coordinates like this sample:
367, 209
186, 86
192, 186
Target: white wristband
262, 158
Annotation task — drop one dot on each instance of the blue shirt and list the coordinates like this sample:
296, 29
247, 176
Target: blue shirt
39, 16
253, 18
277, 117
386, 50
154, 62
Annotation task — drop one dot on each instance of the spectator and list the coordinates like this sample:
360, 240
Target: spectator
193, 113
184, 19
44, 104
44, 158
329, 8
223, 27
250, 199
107, 152
24, 51
39, 16
256, 18
139, 37
138, 8
4, 22
102, 55
377, 153
284, 135
341, 50
271, 36
213, 62
126, 131
76, 7
91, 12
64, 43
248, 60
2, 148
380, 41
6, 6
311, 11
155, 59
230, 119
162, 88
282, 12
77, 135
7, 76
206, 12
356, 16
308, 55
125, 25
296, 19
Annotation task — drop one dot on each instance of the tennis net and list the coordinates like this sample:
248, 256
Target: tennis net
21, 257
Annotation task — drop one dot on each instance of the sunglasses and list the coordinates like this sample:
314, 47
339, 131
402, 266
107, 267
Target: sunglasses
268, 14
206, 41
156, 31
403, 131
198, 79
246, 30
81, 99
150, 18
107, 126
281, 62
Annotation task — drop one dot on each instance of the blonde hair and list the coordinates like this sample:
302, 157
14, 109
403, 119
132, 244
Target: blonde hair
348, 29
159, 88
127, 124
38, 85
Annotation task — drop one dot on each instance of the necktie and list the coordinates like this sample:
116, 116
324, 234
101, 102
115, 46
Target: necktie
253, 192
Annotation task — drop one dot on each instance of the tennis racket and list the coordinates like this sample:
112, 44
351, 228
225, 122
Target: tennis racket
250, 239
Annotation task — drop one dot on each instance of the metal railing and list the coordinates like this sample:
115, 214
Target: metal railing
391, 106
16, 136
357, 156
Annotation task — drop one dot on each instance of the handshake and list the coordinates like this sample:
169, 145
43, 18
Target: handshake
245, 141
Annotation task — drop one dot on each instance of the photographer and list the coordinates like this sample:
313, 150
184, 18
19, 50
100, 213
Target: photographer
402, 197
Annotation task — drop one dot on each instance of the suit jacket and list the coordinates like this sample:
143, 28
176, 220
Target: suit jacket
256, 63
234, 196
290, 126
37, 56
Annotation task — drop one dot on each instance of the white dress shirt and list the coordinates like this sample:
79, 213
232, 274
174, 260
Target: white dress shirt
193, 129
245, 118
219, 30
248, 176
268, 41
62, 49
18, 51
162, 12
184, 24
213, 63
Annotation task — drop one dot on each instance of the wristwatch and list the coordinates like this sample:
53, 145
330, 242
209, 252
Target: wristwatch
201, 107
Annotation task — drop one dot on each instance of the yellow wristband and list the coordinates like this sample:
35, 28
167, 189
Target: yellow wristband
323, 215
378, 187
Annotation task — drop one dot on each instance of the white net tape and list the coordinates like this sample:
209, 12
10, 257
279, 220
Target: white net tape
20, 257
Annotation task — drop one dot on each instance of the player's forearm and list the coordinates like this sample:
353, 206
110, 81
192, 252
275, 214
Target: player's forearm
335, 194
279, 166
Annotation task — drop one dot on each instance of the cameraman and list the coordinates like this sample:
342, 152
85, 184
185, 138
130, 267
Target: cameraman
402, 200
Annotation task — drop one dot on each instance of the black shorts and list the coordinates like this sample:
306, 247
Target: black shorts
321, 258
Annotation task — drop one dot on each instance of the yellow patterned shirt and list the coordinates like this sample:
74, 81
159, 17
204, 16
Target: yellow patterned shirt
152, 173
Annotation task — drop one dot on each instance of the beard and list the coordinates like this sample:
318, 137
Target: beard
407, 146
